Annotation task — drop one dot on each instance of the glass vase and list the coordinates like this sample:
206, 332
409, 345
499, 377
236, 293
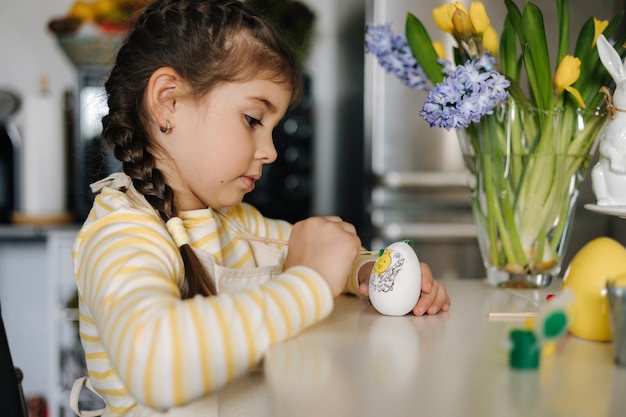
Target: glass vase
524, 167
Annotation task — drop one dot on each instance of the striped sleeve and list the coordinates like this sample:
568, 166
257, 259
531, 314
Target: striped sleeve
163, 350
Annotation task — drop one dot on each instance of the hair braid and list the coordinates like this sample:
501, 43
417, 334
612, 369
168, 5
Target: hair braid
207, 42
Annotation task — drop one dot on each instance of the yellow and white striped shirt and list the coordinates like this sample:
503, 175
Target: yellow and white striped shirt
142, 343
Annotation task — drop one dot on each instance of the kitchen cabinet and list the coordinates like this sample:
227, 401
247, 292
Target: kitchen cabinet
36, 284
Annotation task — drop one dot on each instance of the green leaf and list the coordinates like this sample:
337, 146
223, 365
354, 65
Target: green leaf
515, 18
536, 98
589, 87
422, 47
537, 57
517, 93
509, 63
562, 7
614, 23
583, 43
588, 82
460, 56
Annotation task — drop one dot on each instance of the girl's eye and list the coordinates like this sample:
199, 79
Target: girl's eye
252, 121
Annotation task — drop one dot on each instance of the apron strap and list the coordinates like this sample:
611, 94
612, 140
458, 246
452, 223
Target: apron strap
75, 393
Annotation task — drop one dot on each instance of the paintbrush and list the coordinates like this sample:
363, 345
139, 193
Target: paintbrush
283, 242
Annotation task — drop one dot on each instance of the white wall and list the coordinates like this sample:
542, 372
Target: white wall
28, 50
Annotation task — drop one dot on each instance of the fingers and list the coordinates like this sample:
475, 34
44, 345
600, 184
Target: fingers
335, 219
434, 301
427, 277
327, 245
364, 289
434, 297
364, 279
348, 227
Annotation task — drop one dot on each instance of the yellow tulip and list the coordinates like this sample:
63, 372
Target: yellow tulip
599, 26
460, 5
491, 42
443, 14
478, 17
443, 19
462, 24
566, 74
576, 95
439, 49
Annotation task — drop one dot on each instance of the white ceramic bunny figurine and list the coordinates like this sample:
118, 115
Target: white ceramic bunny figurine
608, 176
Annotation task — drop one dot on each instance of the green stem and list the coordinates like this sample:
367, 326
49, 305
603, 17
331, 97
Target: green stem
541, 239
557, 235
498, 195
483, 167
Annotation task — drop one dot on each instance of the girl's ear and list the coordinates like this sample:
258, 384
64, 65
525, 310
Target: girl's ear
164, 87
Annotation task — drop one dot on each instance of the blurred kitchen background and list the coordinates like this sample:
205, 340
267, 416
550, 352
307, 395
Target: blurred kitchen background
356, 147
360, 148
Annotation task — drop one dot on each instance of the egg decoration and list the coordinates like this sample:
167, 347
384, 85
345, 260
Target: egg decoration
597, 261
396, 280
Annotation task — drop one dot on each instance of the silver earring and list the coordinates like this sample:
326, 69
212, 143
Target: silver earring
166, 128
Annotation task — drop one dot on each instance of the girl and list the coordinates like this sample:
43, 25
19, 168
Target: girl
176, 301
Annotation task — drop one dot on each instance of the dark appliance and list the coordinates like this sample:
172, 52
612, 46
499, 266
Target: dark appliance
9, 146
92, 159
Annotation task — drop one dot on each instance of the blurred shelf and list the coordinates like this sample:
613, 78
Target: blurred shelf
9, 232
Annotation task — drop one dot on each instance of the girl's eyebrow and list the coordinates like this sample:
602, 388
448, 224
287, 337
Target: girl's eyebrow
268, 104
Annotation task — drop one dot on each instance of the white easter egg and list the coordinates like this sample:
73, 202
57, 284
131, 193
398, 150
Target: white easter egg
396, 280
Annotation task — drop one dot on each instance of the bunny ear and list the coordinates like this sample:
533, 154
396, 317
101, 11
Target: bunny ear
611, 59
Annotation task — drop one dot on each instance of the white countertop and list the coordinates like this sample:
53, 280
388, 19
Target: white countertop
360, 363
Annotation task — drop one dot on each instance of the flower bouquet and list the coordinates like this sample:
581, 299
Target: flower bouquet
526, 132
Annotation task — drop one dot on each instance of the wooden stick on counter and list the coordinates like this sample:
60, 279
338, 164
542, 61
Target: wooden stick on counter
501, 315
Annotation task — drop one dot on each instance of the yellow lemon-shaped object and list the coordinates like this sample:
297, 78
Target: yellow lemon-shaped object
105, 7
83, 10
590, 268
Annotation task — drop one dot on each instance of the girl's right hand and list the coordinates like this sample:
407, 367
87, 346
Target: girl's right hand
326, 244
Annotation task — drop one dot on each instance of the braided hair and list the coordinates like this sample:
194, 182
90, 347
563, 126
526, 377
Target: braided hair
208, 42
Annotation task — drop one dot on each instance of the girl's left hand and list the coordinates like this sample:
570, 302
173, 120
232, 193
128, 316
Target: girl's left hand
433, 299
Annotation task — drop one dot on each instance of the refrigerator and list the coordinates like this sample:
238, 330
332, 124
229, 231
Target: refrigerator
417, 183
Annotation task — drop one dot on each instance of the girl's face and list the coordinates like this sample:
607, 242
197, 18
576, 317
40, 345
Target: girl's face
219, 145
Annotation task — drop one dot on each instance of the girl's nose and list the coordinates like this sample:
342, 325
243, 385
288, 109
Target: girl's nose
267, 151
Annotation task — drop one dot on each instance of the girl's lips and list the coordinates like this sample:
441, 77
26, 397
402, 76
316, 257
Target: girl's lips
248, 181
